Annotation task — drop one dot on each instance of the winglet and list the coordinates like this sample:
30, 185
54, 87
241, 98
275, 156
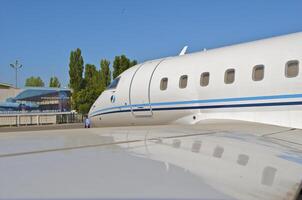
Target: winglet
183, 51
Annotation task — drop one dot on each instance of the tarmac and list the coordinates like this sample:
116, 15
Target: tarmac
41, 127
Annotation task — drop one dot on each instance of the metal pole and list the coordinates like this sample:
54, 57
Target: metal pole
16, 78
16, 66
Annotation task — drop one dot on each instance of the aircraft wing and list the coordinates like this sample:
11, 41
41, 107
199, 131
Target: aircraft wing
210, 160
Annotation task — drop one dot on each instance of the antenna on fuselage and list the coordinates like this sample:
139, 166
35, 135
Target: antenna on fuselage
183, 51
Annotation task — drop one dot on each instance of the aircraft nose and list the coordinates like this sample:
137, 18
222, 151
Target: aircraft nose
92, 109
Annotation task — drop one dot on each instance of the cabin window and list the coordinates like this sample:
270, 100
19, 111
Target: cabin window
229, 76
113, 84
292, 68
204, 79
163, 83
183, 81
258, 72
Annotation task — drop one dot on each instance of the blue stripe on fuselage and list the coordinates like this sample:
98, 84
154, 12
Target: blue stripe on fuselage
236, 99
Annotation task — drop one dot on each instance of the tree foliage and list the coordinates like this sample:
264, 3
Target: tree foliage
105, 74
54, 82
91, 91
91, 77
76, 66
86, 97
120, 64
34, 82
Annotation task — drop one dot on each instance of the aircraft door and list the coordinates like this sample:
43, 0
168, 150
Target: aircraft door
139, 92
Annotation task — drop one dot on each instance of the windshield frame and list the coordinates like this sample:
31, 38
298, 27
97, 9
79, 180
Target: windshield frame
114, 84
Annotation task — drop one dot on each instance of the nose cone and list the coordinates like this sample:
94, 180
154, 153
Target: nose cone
92, 110
96, 106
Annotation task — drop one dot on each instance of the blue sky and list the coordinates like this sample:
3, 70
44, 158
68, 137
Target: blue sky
41, 34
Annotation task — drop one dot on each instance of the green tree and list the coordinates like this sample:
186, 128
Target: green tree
92, 82
105, 74
91, 77
76, 66
34, 82
120, 64
54, 82
86, 98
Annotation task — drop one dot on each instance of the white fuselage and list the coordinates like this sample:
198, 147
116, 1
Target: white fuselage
142, 97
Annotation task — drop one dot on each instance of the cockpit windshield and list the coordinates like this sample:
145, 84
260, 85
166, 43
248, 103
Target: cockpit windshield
113, 84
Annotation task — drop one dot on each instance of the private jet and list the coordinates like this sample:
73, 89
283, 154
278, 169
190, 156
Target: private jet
222, 123
240, 107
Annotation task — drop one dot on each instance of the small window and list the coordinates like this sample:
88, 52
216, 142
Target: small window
113, 84
183, 81
163, 83
229, 76
292, 68
204, 79
258, 73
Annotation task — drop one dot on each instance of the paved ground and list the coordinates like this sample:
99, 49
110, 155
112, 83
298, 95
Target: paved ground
41, 127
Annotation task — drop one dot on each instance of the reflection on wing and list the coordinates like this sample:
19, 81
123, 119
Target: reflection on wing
206, 161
